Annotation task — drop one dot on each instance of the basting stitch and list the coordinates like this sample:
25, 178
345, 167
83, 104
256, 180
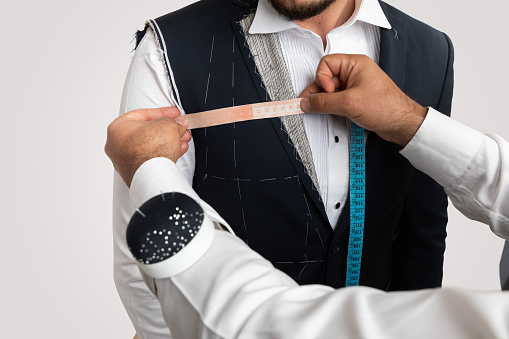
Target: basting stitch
210, 61
319, 236
234, 153
207, 91
307, 231
238, 185
308, 261
212, 49
295, 176
306, 265
202, 181
309, 212
233, 75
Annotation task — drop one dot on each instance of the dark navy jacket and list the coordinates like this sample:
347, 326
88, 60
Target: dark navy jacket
250, 173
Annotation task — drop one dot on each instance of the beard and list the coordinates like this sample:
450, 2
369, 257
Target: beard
300, 12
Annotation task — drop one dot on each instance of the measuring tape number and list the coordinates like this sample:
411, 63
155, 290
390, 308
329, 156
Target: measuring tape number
357, 204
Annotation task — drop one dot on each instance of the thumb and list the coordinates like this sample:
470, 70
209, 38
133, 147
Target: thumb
148, 114
331, 103
183, 124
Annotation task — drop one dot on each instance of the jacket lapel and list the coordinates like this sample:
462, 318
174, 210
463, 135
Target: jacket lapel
244, 48
272, 81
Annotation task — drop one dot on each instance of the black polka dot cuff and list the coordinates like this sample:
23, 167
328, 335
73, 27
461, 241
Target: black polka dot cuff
168, 234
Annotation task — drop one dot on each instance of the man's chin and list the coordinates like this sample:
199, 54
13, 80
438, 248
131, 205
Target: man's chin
300, 10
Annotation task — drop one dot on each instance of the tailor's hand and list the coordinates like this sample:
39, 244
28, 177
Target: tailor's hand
358, 89
140, 135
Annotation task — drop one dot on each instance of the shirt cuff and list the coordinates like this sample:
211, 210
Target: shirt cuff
442, 148
161, 175
156, 176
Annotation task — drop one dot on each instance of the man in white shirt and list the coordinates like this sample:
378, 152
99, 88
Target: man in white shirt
232, 292
283, 183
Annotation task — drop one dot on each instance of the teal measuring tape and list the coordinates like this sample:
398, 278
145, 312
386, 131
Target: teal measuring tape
357, 204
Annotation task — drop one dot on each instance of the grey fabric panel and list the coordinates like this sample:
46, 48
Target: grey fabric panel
268, 56
504, 268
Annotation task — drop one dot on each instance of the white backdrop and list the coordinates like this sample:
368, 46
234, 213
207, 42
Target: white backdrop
62, 69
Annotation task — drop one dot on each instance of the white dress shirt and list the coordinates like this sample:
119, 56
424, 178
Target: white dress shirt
232, 292
147, 86
303, 49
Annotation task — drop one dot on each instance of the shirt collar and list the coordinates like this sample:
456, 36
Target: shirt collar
267, 20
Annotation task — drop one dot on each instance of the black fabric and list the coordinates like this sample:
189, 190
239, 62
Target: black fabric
138, 36
250, 173
163, 226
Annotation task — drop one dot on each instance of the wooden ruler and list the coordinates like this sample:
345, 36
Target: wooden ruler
243, 113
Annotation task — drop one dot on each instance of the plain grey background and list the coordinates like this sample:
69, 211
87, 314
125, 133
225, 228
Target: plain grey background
63, 66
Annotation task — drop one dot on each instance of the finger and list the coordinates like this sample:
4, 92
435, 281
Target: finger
331, 103
337, 83
182, 121
315, 87
187, 136
357, 69
311, 89
326, 82
328, 71
184, 146
341, 70
183, 124
148, 114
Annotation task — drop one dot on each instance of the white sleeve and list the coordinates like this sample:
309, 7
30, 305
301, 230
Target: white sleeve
473, 168
146, 86
232, 292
